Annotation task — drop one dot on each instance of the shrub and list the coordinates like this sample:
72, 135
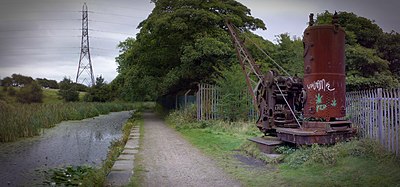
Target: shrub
68, 90
31, 93
10, 91
235, 103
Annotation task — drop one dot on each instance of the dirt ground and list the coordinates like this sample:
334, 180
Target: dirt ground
169, 160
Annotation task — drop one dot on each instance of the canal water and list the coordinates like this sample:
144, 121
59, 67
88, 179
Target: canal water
74, 143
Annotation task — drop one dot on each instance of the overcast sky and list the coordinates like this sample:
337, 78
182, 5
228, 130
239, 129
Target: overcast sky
41, 38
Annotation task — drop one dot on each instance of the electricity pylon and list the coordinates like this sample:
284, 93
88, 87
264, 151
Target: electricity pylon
85, 65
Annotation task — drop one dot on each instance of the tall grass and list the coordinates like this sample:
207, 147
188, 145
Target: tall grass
27, 120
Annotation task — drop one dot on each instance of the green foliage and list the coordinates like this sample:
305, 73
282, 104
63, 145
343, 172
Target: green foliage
68, 90
100, 92
289, 54
388, 46
235, 102
20, 80
11, 91
330, 155
179, 44
366, 70
6, 82
366, 32
371, 55
22, 120
68, 176
30, 93
47, 83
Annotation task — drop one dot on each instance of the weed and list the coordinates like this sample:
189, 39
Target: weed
68, 176
27, 120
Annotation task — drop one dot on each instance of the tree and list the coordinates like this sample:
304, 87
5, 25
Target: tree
235, 101
388, 46
30, 93
365, 31
21, 80
68, 90
47, 83
100, 92
7, 82
289, 54
180, 43
371, 55
366, 70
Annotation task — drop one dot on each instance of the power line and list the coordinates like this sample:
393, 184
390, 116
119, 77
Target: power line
112, 23
113, 14
37, 54
94, 30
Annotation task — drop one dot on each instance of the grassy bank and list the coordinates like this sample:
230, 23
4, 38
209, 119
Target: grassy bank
50, 96
354, 163
27, 120
94, 176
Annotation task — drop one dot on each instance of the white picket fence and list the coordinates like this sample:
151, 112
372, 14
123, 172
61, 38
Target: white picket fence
376, 114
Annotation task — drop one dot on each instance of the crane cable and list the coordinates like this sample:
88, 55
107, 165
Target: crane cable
269, 57
287, 103
265, 53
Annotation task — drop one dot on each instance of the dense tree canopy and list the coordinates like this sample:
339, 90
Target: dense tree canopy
185, 42
371, 55
180, 44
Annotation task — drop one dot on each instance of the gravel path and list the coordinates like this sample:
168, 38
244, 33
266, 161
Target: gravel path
169, 160
69, 143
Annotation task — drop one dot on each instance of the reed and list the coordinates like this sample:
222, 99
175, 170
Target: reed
27, 120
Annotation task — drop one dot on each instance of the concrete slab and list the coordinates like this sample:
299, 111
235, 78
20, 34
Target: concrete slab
134, 134
133, 138
126, 157
132, 144
123, 165
118, 178
130, 151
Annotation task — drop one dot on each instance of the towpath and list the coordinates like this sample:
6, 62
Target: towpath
169, 160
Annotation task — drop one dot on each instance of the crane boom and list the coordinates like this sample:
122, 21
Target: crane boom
251, 70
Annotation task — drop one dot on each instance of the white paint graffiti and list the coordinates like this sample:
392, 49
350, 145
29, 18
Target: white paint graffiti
320, 85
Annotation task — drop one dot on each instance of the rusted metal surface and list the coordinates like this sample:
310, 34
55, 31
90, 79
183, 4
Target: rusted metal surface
309, 139
267, 144
303, 111
317, 132
252, 71
324, 72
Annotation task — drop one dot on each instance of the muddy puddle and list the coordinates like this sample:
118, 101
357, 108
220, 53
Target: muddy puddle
69, 143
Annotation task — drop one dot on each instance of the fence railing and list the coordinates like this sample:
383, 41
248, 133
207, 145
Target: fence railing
375, 113
210, 107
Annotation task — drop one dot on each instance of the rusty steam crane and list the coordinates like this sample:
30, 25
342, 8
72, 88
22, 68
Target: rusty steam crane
308, 110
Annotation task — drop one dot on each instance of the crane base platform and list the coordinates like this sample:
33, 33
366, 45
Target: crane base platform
317, 133
267, 144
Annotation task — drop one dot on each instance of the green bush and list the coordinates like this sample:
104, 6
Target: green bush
10, 91
68, 90
235, 103
30, 93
